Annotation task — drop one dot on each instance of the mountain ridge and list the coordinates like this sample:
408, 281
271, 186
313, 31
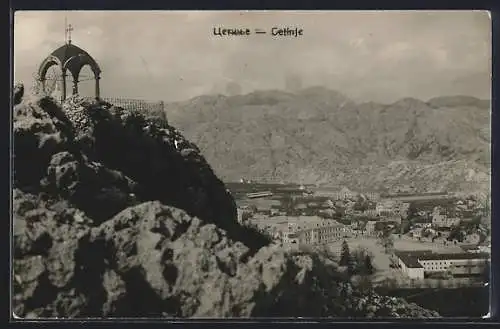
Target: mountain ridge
251, 135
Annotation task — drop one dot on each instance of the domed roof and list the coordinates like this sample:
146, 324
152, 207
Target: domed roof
69, 57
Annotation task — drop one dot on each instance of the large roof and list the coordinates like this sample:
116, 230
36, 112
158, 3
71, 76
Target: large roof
454, 256
70, 57
410, 261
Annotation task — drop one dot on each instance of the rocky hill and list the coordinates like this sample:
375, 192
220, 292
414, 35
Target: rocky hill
317, 135
118, 215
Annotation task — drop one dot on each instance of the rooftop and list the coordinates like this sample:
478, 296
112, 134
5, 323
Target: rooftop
412, 253
469, 247
454, 256
71, 57
410, 261
297, 222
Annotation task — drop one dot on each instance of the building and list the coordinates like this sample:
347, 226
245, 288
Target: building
372, 196
370, 227
290, 238
370, 213
240, 215
470, 263
440, 218
313, 230
392, 218
324, 234
344, 194
263, 194
295, 230
70, 59
410, 266
389, 207
328, 204
404, 209
458, 264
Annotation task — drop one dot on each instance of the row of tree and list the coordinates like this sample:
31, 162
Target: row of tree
358, 262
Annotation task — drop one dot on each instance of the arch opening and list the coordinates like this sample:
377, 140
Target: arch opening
69, 70
86, 82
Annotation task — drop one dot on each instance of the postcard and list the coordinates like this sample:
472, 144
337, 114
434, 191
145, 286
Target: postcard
251, 164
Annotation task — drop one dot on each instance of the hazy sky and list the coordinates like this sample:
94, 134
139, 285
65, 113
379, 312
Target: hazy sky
379, 56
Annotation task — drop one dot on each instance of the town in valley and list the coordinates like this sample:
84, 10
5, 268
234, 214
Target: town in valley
398, 238
193, 175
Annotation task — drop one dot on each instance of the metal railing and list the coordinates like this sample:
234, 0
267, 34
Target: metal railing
137, 104
149, 108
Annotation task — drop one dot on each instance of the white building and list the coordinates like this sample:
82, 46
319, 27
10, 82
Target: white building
372, 196
418, 264
370, 212
323, 232
411, 267
388, 206
370, 227
242, 212
444, 262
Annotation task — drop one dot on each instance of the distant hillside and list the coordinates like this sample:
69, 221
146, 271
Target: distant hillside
318, 135
457, 101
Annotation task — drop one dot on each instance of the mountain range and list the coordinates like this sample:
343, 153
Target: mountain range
320, 136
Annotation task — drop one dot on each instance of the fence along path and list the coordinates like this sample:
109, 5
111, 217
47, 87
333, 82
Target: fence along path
150, 108
137, 104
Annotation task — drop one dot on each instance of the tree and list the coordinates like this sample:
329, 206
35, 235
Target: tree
253, 208
368, 266
456, 234
351, 266
405, 226
426, 233
365, 284
345, 254
360, 204
387, 241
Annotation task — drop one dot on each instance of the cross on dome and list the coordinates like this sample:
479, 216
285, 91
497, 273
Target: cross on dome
69, 28
70, 59
67, 32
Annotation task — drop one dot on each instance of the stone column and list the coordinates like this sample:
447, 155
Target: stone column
75, 86
63, 91
97, 89
42, 85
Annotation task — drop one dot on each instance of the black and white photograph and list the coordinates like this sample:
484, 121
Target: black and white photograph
251, 164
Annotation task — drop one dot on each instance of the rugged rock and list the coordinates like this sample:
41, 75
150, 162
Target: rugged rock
99, 230
175, 172
18, 93
48, 241
155, 260
37, 136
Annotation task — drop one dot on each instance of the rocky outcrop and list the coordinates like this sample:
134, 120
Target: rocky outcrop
155, 260
18, 93
114, 157
174, 173
99, 230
